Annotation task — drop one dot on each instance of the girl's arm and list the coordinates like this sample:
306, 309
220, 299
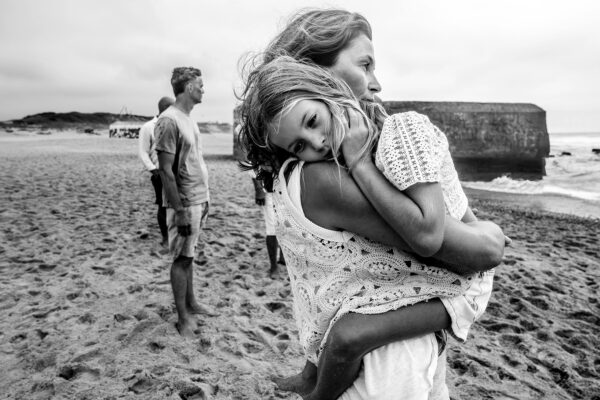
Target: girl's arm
467, 247
418, 214
407, 152
333, 200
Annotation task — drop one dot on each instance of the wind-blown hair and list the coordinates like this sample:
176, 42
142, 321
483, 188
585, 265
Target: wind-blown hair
273, 89
318, 35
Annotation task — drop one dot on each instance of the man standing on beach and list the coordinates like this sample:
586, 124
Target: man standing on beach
147, 154
185, 185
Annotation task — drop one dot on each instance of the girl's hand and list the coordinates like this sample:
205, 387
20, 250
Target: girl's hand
354, 142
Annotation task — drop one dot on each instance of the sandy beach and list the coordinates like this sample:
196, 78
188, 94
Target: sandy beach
86, 309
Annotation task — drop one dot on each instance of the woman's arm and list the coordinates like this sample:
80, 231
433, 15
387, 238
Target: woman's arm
333, 200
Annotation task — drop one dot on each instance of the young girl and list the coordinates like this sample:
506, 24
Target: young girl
299, 109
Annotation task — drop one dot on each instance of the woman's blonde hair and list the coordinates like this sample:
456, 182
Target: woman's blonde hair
274, 88
318, 35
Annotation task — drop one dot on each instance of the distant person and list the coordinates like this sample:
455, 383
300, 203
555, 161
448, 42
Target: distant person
264, 198
185, 186
147, 154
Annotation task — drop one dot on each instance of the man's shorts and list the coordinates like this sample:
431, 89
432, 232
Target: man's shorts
157, 184
269, 215
186, 245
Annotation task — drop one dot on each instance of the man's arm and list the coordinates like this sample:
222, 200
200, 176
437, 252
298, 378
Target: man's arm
166, 146
145, 146
182, 219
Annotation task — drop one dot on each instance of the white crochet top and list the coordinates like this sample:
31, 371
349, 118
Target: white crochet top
411, 150
335, 272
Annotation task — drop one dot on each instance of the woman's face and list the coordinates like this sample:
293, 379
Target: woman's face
356, 66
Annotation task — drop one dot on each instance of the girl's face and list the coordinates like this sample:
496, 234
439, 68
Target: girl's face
303, 131
356, 66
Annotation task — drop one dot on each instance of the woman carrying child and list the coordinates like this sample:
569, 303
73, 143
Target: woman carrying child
375, 292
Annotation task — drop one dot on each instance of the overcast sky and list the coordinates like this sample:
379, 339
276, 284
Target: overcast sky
101, 56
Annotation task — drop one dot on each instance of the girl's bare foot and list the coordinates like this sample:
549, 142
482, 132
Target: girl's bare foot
302, 383
294, 383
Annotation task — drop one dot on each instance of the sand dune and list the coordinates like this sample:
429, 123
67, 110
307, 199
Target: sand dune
86, 309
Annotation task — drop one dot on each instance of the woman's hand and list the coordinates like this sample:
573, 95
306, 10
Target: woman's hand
354, 145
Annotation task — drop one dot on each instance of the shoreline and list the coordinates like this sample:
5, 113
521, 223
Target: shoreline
220, 146
542, 203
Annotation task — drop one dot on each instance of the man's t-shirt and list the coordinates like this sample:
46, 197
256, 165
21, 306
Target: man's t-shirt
177, 133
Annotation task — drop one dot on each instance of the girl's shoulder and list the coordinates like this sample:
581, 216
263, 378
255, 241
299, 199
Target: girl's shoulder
409, 126
409, 117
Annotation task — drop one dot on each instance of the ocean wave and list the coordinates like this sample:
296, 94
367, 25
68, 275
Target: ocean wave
576, 175
518, 186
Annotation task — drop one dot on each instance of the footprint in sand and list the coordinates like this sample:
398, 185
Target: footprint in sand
18, 338
190, 391
104, 270
46, 267
87, 318
585, 316
274, 306
75, 371
86, 356
156, 346
73, 296
510, 361
539, 303
500, 327
143, 384
528, 325
252, 347
267, 329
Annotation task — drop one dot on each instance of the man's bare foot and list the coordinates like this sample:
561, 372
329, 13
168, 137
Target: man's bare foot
274, 272
196, 308
185, 328
295, 383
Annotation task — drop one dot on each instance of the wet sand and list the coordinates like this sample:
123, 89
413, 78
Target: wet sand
86, 309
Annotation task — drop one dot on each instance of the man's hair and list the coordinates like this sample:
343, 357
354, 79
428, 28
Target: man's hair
274, 88
164, 103
318, 35
182, 76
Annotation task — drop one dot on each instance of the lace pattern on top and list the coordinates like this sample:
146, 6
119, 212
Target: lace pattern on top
334, 273
412, 150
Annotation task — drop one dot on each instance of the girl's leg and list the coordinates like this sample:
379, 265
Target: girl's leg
354, 335
272, 247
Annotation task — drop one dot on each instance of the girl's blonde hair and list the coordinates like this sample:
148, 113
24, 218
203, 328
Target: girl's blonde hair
274, 88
